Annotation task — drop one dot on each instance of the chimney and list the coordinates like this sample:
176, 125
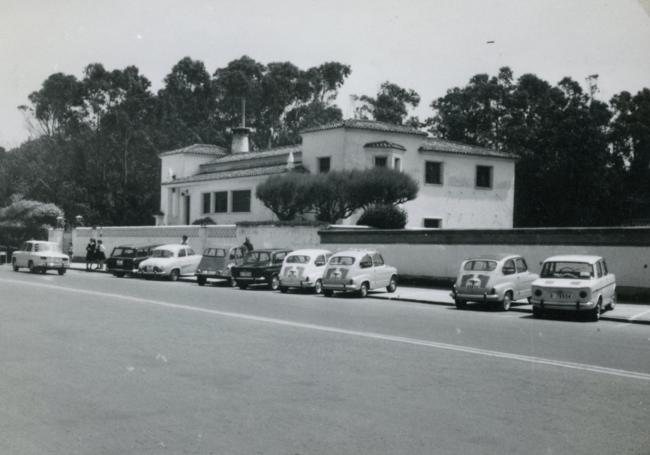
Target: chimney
240, 140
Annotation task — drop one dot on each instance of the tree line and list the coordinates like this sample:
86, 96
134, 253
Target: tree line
581, 161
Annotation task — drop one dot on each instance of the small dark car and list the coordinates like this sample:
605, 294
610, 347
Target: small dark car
126, 259
217, 262
260, 267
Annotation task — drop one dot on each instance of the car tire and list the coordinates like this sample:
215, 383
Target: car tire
363, 290
328, 292
612, 304
61, 271
233, 283
274, 283
173, 275
318, 287
243, 286
118, 274
284, 289
392, 285
30, 266
595, 313
13, 264
201, 280
460, 304
506, 303
538, 312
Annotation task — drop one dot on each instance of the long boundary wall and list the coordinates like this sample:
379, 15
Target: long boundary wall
437, 254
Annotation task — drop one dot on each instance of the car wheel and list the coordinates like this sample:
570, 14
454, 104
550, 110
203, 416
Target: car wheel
392, 285
173, 276
363, 290
275, 283
284, 289
201, 280
61, 271
328, 292
318, 287
538, 312
612, 304
13, 264
119, 274
233, 283
595, 313
30, 266
243, 286
460, 304
507, 301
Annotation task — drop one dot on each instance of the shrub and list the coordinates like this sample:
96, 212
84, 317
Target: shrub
384, 217
382, 186
203, 221
285, 195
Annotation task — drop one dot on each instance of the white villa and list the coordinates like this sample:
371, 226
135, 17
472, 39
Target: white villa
461, 186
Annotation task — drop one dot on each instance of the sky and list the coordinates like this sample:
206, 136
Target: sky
426, 45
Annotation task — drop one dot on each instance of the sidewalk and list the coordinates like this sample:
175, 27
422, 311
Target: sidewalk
624, 312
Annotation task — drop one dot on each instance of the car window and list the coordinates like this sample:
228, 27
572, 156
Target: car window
182, 253
377, 260
320, 261
572, 270
279, 257
238, 253
254, 257
480, 266
521, 265
509, 267
366, 262
27, 247
342, 260
298, 259
162, 254
605, 272
599, 270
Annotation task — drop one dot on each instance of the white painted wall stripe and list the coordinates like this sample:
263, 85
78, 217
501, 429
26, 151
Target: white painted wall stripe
369, 335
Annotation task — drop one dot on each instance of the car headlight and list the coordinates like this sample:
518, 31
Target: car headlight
538, 292
583, 294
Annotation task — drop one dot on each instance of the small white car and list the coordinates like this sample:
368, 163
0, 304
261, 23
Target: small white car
40, 256
170, 261
358, 271
574, 282
495, 279
304, 269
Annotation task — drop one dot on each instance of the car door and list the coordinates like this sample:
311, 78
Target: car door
182, 261
382, 274
367, 271
524, 279
610, 280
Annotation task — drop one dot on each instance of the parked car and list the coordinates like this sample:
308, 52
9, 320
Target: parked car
496, 279
576, 283
170, 261
304, 269
217, 263
358, 271
260, 267
40, 256
126, 259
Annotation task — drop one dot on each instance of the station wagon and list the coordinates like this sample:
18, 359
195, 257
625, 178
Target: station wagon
217, 263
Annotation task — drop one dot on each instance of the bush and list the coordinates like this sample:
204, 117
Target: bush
382, 186
203, 221
384, 217
285, 195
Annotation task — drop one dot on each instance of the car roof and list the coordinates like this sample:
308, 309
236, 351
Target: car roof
308, 251
172, 246
270, 250
493, 257
41, 242
590, 258
139, 247
357, 253
224, 247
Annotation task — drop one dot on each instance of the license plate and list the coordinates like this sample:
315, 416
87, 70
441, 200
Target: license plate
561, 295
245, 273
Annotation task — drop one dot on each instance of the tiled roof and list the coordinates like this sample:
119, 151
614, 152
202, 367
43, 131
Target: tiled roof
255, 155
384, 145
367, 125
197, 149
440, 145
231, 174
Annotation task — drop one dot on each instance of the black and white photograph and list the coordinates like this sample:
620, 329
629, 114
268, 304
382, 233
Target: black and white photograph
299, 227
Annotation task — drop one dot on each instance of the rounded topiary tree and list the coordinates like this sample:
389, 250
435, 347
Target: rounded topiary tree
384, 217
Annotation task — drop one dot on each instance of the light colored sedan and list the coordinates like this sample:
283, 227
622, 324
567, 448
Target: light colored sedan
304, 269
170, 261
576, 283
358, 271
40, 256
497, 279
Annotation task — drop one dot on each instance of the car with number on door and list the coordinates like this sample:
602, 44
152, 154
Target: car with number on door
495, 279
304, 269
358, 271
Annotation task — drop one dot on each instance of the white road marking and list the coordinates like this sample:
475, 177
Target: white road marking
368, 335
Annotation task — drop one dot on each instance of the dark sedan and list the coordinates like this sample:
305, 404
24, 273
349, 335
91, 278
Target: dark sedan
126, 259
260, 267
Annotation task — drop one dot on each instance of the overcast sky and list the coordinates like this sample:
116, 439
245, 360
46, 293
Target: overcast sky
429, 46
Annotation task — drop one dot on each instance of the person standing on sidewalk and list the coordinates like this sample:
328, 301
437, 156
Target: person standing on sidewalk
101, 255
90, 254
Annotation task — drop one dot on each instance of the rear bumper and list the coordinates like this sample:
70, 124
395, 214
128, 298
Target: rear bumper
566, 306
50, 265
338, 286
297, 283
122, 270
484, 297
217, 274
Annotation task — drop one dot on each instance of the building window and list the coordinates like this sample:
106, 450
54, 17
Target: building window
241, 201
397, 164
221, 202
433, 172
206, 202
484, 176
324, 165
433, 223
381, 161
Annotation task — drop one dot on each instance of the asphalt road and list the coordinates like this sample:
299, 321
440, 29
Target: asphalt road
92, 364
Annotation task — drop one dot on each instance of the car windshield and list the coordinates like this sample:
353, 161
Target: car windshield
123, 252
573, 270
214, 252
257, 256
298, 259
162, 254
46, 247
342, 260
480, 265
